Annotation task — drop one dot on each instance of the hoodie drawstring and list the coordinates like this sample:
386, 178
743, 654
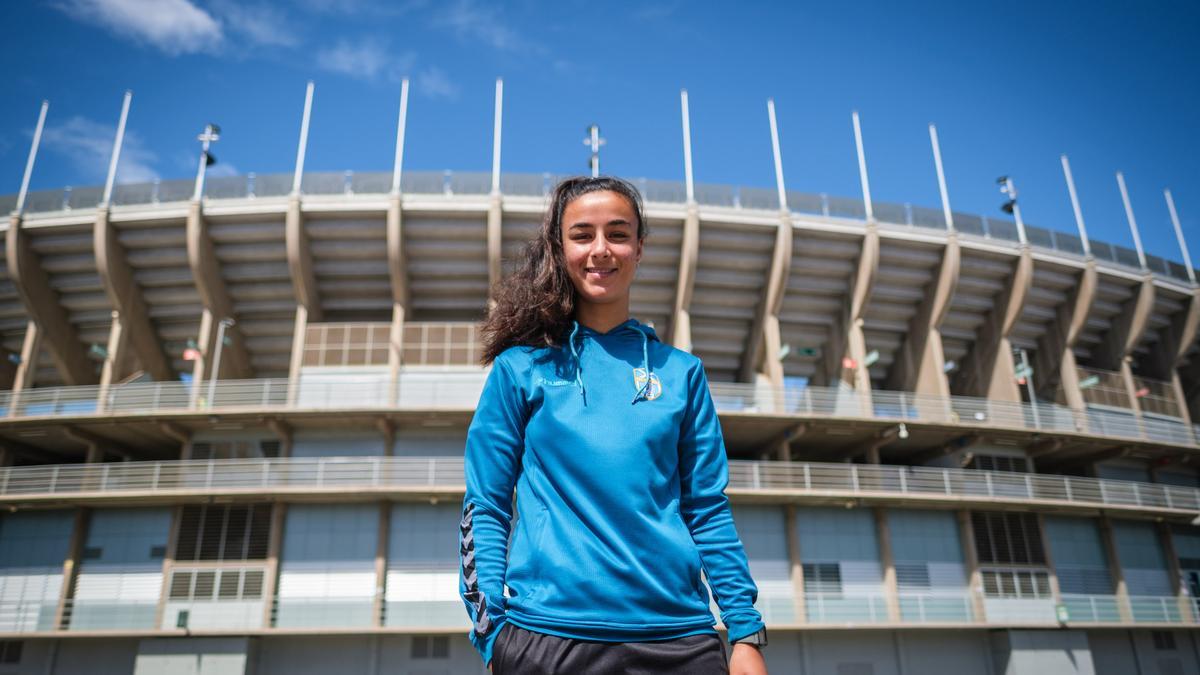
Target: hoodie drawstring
578, 362
644, 392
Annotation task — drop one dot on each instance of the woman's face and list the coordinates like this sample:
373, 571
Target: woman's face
601, 247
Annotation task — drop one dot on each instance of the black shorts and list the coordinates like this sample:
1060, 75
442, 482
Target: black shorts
521, 652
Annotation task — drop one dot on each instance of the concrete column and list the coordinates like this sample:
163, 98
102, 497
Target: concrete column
1114, 566
971, 560
117, 363
1055, 358
1185, 601
271, 575
398, 274
299, 257
988, 370
1051, 572
680, 334
1175, 341
300, 330
794, 560
388, 430
891, 589
167, 566
30, 349
765, 328
381, 551
1122, 339
125, 296
395, 352
846, 334
62, 612
920, 363
215, 298
45, 308
204, 344
495, 241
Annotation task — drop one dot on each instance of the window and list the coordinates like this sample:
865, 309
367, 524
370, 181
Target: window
1164, 641
822, 577
1018, 583
235, 449
1008, 538
216, 584
223, 532
912, 576
1007, 463
430, 647
10, 651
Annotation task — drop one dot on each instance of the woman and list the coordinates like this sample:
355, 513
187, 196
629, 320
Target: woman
612, 443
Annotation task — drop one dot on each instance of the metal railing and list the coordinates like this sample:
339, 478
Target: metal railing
462, 394
251, 186
258, 476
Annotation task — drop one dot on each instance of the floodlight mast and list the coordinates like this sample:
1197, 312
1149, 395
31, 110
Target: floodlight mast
210, 135
594, 141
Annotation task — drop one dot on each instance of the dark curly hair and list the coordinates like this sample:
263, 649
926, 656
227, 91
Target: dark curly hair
535, 304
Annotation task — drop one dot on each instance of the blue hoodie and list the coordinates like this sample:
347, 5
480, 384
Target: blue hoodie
614, 448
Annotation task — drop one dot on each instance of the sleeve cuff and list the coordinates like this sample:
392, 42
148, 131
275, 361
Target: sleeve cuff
484, 644
740, 627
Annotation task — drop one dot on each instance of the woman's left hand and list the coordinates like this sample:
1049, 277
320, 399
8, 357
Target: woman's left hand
747, 660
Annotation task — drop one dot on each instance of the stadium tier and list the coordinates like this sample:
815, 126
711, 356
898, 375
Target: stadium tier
955, 447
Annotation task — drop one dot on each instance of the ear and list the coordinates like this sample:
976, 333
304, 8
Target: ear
638, 257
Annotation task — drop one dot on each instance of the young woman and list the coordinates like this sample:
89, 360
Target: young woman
612, 443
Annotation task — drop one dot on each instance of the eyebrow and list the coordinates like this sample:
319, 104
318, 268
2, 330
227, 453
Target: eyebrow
617, 222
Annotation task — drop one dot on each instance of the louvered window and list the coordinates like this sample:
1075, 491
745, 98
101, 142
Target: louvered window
999, 463
1008, 538
1010, 583
223, 532
235, 449
822, 577
216, 584
430, 647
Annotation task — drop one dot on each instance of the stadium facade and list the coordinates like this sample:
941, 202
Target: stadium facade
957, 444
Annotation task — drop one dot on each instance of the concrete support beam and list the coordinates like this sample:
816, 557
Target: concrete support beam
284, 432
271, 574
1051, 572
891, 589
97, 447
167, 565
125, 296
398, 273
794, 561
846, 338
1116, 351
988, 370
31, 347
1176, 340
300, 263
70, 574
495, 220
680, 333
8, 368
46, 309
387, 429
1182, 597
299, 331
218, 304
920, 366
783, 444
381, 552
1120, 589
1055, 359
761, 354
971, 561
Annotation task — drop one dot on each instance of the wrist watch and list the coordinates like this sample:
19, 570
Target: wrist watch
757, 638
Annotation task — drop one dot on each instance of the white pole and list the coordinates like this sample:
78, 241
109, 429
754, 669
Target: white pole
303, 145
941, 176
1137, 238
216, 370
206, 140
400, 124
1187, 259
862, 167
1066, 165
496, 136
595, 151
1016, 205
116, 151
783, 206
687, 147
37, 139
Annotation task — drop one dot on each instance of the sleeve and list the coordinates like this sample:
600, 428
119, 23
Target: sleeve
495, 442
703, 475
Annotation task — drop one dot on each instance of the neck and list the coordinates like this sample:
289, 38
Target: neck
602, 318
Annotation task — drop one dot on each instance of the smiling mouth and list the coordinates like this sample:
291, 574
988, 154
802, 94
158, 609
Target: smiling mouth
602, 272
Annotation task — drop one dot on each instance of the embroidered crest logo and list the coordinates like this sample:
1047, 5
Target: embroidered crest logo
639, 381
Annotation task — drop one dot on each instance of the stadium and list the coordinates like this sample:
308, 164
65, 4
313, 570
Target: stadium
236, 407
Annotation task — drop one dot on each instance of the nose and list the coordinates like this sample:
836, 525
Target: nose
600, 246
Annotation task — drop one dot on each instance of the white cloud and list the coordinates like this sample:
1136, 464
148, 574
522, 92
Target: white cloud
434, 83
87, 144
470, 20
354, 7
221, 169
174, 26
261, 24
367, 59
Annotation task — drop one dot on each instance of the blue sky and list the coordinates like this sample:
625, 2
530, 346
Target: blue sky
1010, 86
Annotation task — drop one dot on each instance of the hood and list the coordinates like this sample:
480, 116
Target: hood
577, 334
